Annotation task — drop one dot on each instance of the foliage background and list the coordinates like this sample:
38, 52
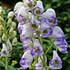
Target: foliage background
62, 8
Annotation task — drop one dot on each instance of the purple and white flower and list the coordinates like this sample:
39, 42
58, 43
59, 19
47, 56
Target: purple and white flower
56, 62
17, 7
26, 60
38, 9
37, 49
4, 51
39, 66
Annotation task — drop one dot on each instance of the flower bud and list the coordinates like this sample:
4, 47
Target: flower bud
9, 22
14, 33
1, 20
4, 37
11, 15
13, 24
2, 12
11, 31
1, 28
14, 42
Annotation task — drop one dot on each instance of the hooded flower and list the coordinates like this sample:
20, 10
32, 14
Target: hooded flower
37, 49
38, 9
26, 60
17, 8
27, 32
56, 62
4, 51
29, 4
50, 13
39, 66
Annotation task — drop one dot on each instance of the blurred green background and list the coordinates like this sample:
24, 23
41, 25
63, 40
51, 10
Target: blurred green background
62, 8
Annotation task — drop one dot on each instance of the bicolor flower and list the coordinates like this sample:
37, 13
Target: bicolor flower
17, 8
37, 49
26, 60
50, 13
20, 28
27, 43
57, 33
4, 51
38, 9
23, 15
52, 21
29, 4
56, 62
46, 32
62, 46
27, 32
39, 66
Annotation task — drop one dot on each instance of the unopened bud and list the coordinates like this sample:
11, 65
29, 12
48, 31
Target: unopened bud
13, 24
2, 12
9, 23
14, 42
1, 28
11, 31
1, 20
4, 37
14, 33
11, 15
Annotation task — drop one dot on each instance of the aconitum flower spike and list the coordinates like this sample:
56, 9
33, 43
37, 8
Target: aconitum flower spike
37, 49
4, 51
26, 60
56, 62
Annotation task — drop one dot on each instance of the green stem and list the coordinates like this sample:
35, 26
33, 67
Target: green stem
49, 48
6, 62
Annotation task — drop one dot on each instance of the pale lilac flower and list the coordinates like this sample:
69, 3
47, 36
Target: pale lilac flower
26, 60
56, 62
37, 49
4, 51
